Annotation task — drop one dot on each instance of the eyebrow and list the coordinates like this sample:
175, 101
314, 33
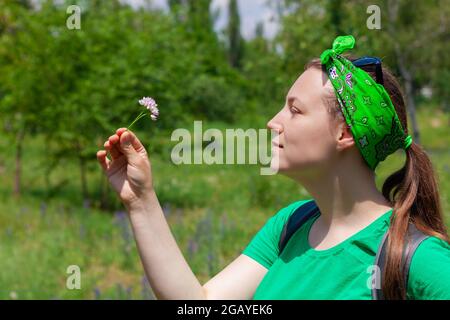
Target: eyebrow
291, 100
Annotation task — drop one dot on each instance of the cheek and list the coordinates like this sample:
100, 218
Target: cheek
320, 138
312, 142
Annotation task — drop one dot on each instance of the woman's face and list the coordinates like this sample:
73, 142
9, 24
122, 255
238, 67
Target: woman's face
307, 130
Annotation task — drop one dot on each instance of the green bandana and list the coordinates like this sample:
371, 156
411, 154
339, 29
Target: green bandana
365, 104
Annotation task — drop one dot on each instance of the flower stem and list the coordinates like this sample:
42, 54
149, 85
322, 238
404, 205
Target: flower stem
141, 115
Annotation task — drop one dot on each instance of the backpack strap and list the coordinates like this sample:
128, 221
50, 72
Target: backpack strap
377, 293
295, 221
414, 239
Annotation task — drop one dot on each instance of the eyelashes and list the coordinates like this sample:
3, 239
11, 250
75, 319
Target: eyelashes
294, 110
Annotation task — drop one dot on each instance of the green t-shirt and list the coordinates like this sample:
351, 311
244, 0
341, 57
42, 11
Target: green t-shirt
343, 271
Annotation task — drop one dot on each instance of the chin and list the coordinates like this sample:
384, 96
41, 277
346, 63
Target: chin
278, 166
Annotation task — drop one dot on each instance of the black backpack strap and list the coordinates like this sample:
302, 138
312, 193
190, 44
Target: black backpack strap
414, 239
417, 237
295, 221
377, 293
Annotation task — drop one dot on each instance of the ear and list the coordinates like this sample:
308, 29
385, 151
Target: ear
344, 137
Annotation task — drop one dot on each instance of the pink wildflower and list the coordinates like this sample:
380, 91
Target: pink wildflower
151, 106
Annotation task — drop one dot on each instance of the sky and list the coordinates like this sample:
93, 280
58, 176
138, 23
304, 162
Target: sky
251, 11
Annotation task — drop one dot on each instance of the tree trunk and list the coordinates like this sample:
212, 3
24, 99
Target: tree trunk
82, 163
84, 188
409, 92
18, 163
411, 108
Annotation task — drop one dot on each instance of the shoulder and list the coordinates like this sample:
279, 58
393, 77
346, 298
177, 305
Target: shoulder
276, 222
429, 277
430, 253
264, 245
283, 215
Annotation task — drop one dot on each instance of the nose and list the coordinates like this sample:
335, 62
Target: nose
275, 124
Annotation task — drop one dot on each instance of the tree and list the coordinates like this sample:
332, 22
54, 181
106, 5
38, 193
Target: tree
410, 29
178, 9
235, 41
21, 61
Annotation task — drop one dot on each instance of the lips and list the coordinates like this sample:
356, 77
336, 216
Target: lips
277, 145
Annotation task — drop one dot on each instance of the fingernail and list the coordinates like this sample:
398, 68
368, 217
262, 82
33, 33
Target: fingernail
126, 141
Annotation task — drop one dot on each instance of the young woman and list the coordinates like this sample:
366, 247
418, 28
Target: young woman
337, 124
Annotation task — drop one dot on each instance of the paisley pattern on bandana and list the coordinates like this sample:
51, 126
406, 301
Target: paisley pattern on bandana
391, 141
365, 104
333, 73
348, 80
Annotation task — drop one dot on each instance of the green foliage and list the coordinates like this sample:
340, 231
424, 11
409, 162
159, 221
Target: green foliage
63, 92
235, 41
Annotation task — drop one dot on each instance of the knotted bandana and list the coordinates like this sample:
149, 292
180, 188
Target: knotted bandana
365, 104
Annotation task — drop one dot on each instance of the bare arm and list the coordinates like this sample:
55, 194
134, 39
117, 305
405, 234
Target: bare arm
169, 274
238, 281
166, 268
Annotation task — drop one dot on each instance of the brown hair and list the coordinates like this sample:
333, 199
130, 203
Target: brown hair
412, 191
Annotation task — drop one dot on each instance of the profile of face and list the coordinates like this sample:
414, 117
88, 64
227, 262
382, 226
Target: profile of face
310, 138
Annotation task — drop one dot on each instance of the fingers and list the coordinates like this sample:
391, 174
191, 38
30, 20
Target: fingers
124, 142
111, 146
120, 131
103, 160
127, 148
135, 142
138, 146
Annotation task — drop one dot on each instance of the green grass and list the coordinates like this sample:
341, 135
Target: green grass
213, 212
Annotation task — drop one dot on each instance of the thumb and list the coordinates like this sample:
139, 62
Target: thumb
127, 148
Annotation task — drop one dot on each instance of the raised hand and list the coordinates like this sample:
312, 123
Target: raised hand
129, 169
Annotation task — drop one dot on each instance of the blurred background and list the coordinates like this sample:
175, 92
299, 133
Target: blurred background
229, 63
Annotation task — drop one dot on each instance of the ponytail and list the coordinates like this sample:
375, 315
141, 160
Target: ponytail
414, 194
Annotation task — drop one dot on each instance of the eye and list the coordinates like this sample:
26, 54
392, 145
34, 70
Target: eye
294, 110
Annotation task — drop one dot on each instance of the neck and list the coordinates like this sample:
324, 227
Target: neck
344, 193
